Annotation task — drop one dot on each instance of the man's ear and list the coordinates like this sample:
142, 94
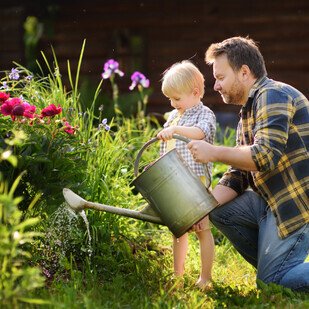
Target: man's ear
245, 72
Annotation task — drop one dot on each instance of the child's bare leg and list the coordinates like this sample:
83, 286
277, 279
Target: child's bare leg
180, 248
207, 248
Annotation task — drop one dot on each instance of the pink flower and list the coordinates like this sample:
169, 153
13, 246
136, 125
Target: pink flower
8, 105
18, 110
68, 128
51, 110
16, 107
3, 97
29, 110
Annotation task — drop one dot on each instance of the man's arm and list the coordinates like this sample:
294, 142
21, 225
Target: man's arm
238, 157
223, 194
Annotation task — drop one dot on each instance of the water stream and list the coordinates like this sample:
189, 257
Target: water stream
83, 215
63, 228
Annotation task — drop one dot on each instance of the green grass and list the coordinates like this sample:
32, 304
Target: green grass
142, 278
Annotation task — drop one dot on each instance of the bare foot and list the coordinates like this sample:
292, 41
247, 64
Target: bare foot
204, 285
176, 283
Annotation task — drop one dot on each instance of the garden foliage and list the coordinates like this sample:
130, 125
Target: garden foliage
50, 139
17, 276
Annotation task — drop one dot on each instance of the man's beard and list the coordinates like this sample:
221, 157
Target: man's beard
235, 95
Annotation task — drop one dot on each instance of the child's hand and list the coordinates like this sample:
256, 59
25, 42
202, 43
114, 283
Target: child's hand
166, 134
201, 225
147, 166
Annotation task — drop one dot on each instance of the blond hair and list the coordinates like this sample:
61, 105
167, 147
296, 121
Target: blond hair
182, 77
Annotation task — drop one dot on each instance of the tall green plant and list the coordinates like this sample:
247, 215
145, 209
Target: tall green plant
17, 276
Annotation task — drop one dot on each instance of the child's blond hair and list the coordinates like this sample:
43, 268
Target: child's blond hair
182, 77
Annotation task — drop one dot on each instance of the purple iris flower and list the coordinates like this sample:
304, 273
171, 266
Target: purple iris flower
4, 86
111, 67
104, 125
29, 78
139, 79
14, 75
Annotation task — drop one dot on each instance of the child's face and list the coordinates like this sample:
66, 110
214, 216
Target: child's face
184, 101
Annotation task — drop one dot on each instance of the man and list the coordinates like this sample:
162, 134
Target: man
267, 224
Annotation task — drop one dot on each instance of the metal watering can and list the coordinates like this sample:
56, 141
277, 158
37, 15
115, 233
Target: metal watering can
177, 198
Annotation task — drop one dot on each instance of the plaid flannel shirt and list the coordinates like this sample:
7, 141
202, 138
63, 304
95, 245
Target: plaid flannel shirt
275, 122
199, 116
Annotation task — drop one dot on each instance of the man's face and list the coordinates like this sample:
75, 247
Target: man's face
228, 82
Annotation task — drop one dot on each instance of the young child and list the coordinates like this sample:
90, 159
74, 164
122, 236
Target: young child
183, 85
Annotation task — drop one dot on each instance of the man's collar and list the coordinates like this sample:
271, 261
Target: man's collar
258, 84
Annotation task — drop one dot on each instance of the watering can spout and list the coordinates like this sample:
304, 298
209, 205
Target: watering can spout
74, 201
78, 204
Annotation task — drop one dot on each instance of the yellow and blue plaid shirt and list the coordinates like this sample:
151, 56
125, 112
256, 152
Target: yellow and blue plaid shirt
275, 122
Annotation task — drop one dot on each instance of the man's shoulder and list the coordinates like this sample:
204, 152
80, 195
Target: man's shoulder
271, 90
275, 86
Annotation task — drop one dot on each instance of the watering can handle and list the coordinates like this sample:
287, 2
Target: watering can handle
147, 144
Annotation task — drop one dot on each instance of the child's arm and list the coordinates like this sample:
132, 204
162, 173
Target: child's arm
189, 132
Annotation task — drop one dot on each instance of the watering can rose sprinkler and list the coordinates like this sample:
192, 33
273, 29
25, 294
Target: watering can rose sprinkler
176, 196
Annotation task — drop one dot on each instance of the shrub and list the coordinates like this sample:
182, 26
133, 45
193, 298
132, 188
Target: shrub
51, 153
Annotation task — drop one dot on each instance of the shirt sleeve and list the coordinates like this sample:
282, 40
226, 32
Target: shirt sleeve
274, 111
207, 123
235, 179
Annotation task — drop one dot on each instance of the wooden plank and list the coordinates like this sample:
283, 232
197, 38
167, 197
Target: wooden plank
172, 31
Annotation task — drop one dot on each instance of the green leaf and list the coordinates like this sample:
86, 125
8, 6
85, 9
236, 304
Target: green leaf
36, 301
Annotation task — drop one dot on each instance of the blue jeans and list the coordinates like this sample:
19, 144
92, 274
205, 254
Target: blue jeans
250, 225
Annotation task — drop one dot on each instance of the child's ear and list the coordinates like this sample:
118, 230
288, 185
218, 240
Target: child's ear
196, 92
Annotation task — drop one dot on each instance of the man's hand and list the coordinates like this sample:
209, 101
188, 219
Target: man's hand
239, 157
201, 151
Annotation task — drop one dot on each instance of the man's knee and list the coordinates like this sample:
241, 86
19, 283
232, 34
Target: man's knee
215, 216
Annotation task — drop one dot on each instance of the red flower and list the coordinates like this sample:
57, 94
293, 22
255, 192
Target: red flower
3, 97
29, 110
18, 110
8, 105
68, 128
16, 107
51, 110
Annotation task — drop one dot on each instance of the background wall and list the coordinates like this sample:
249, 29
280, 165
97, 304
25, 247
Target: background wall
151, 35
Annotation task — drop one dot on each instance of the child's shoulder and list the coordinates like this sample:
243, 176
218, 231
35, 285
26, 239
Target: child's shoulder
205, 110
171, 115
204, 107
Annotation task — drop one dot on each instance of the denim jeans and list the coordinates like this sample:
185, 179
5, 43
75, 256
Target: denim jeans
250, 225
